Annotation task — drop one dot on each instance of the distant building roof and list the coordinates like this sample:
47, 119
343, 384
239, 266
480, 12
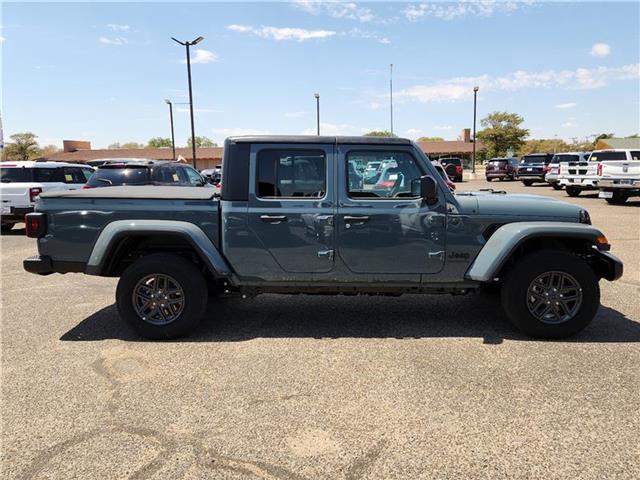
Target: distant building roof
449, 147
81, 156
603, 143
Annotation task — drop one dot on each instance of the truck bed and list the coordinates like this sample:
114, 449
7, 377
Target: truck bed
144, 191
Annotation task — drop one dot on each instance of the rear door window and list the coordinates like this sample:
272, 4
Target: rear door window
400, 170
74, 175
291, 173
15, 174
192, 177
168, 175
635, 154
44, 175
604, 156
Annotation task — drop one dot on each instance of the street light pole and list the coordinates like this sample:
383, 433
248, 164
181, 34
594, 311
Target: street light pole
391, 95
475, 101
173, 137
193, 130
317, 95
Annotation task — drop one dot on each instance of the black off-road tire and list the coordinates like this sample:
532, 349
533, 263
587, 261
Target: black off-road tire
190, 280
515, 291
556, 186
572, 191
458, 179
6, 227
618, 198
527, 183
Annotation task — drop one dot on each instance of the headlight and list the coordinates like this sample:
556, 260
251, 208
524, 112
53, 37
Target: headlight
584, 217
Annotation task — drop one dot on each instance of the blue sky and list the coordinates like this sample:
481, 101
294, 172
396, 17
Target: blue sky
100, 71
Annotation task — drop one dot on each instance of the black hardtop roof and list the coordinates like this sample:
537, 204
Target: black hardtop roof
138, 191
320, 139
136, 164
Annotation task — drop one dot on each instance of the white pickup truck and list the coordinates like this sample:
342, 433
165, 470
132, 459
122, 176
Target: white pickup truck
619, 173
22, 182
577, 173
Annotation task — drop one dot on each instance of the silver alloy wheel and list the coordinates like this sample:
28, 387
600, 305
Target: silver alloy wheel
554, 297
158, 299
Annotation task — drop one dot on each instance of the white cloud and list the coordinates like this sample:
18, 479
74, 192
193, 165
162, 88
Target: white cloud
600, 50
414, 132
203, 56
336, 9
282, 33
442, 127
563, 106
114, 27
568, 125
451, 11
359, 33
113, 41
2, 39
294, 114
385, 41
461, 88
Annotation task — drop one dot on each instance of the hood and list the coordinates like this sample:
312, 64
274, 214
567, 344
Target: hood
521, 205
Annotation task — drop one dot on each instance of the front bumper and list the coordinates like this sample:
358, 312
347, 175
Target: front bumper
607, 265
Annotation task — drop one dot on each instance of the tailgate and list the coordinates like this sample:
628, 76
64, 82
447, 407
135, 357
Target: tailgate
14, 196
621, 169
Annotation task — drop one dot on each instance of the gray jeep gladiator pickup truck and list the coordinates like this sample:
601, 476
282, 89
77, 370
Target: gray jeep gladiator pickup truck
295, 216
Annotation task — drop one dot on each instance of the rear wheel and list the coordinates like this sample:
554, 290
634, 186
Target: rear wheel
162, 296
556, 186
572, 191
6, 227
618, 198
527, 183
489, 179
551, 294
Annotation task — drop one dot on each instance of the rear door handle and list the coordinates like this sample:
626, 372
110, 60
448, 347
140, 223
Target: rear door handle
273, 218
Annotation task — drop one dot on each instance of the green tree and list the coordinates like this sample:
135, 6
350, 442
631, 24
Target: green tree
48, 150
24, 146
430, 139
202, 141
159, 142
501, 133
132, 145
379, 133
114, 146
544, 145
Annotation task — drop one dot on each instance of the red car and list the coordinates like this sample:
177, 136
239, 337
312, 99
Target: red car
453, 167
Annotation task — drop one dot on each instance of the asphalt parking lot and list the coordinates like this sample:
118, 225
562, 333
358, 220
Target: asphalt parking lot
319, 387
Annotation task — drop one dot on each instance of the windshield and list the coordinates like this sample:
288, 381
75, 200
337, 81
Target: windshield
604, 156
105, 177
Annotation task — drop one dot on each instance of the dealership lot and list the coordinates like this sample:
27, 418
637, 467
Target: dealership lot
320, 387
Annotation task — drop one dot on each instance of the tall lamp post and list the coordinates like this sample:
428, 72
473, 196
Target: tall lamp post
391, 95
173, 137
193, 130
475, 101
317, 95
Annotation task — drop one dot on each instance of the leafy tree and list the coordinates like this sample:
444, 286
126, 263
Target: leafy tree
502, 132
379, 133
430, 139
24, 147
202, 141
132, 145
159, 142
603, 136
48, 150
548, 145
635, 135
114, 146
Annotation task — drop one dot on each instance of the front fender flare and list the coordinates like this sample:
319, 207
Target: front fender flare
115, 231
509, 237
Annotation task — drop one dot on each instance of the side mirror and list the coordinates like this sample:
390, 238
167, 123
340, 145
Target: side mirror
426, 188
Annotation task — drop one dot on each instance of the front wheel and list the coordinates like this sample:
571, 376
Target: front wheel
618, 198
556, 186
551, 294
162, 296
527, 183
573, 191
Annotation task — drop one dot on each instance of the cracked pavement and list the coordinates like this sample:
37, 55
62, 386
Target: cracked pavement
308, 387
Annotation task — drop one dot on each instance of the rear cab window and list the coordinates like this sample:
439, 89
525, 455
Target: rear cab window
291, 173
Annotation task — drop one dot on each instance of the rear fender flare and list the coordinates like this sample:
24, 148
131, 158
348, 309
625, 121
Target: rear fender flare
506, 239
113, 232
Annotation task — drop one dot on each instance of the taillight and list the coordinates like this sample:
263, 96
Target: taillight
34, 192
547, 168
86, 187
458, 168
599, 170
35, 224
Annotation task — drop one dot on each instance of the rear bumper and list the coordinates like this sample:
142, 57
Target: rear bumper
15, 214
44, 265
530, 176
580, 182
500, 174
614, 183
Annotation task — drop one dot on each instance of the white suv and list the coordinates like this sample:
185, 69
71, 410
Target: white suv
619, 172
22, 182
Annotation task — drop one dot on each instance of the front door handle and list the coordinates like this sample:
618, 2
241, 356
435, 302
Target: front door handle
275, 219
356, 219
